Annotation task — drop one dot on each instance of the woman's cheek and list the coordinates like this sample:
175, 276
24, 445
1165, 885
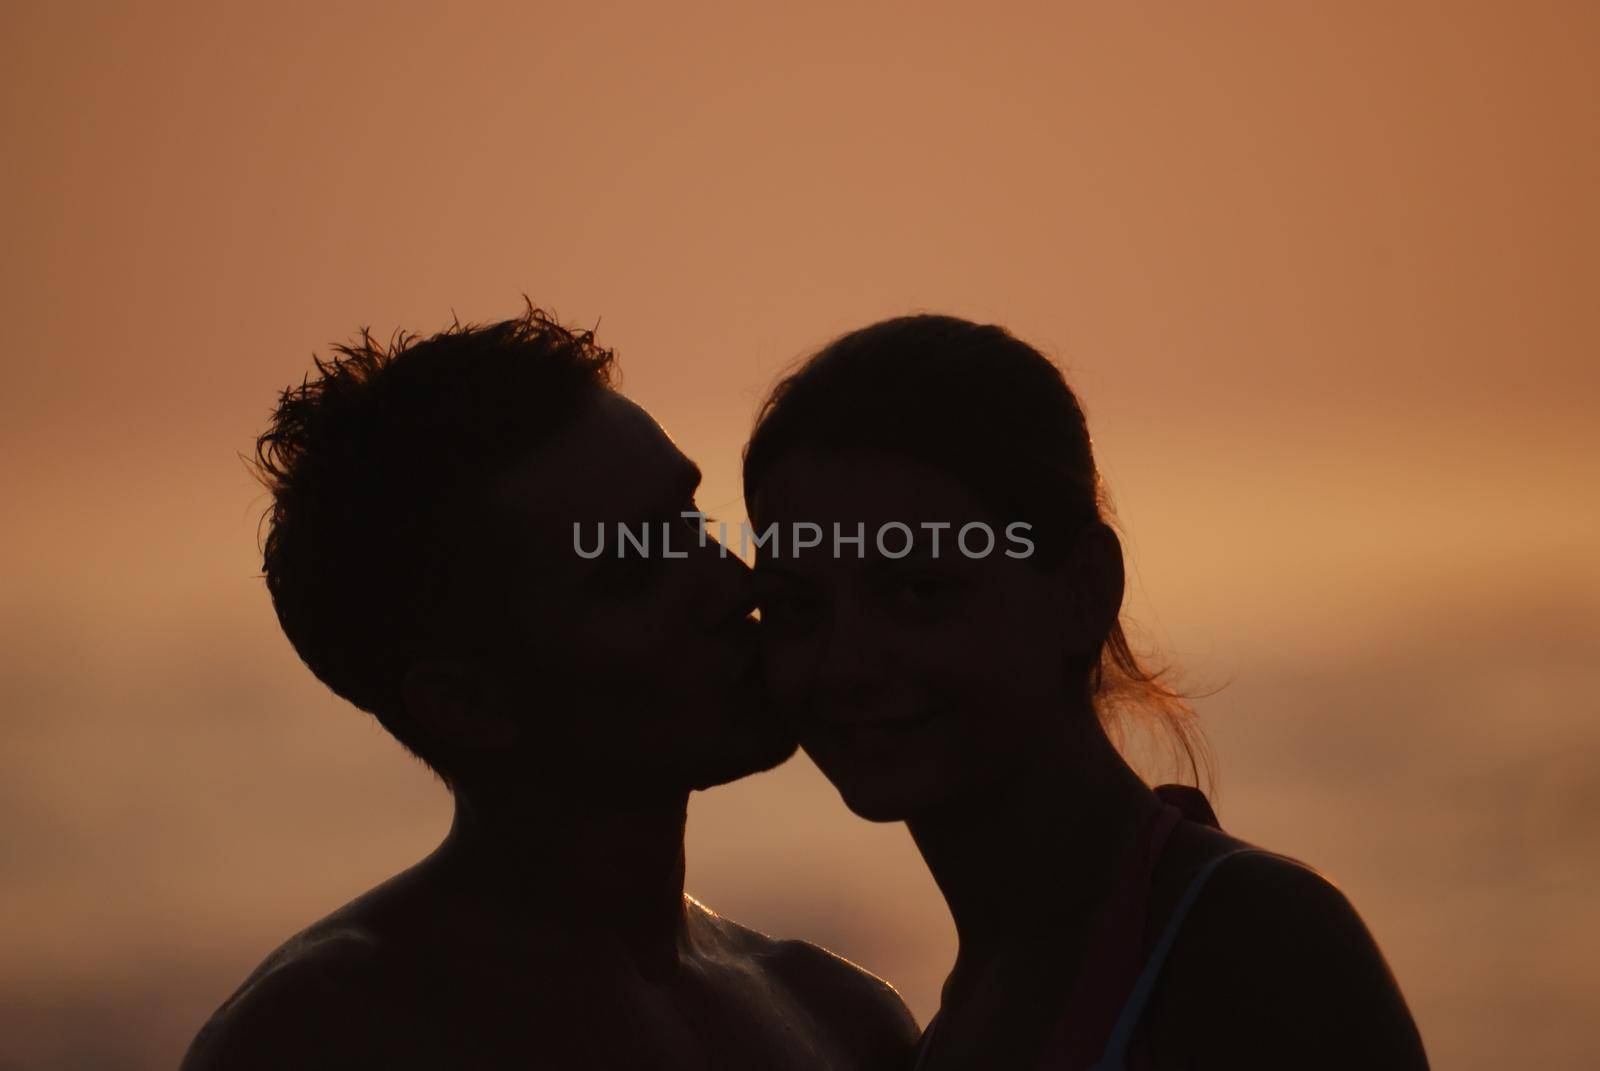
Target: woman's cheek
784, 667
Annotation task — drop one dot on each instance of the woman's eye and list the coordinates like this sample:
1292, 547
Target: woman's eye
774, 607
783, 610
918, 588
921, 592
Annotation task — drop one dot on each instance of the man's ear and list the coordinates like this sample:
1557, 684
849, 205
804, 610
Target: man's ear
1093, 574
448, 702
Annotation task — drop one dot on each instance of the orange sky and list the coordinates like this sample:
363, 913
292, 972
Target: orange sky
1323, 275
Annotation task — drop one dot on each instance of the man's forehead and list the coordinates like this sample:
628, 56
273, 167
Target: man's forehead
609, 462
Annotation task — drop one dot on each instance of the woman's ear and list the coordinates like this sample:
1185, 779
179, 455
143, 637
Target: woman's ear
448, 702
1094, 576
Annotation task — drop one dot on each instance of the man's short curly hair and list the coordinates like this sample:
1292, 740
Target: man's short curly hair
382, 539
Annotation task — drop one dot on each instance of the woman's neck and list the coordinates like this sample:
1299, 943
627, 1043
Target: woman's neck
1026, 862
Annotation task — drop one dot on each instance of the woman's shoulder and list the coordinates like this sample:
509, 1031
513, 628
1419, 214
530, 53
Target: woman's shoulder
1236, 894
1273, 960
1269, 908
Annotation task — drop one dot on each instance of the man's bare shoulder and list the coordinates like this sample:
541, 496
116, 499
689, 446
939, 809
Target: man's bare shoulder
861, 1011
856, 996
311, 1003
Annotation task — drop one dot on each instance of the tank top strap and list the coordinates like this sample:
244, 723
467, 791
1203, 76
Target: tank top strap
1116, 1052
1191, 801
1113, 986
1111, 964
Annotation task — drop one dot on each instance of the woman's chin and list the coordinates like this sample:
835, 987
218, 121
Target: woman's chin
890, 781
883, 799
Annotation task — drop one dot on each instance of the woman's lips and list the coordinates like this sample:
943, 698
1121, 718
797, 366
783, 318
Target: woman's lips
874, 733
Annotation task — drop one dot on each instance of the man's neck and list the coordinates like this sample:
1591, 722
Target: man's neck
613, 869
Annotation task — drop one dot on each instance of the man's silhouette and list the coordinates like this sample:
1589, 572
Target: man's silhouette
421, 558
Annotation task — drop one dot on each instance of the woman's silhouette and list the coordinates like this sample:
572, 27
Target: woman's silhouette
1101, 923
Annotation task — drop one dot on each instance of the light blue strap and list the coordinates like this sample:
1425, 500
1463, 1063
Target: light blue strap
1115, 1058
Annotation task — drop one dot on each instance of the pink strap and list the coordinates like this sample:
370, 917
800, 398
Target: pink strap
1115, 956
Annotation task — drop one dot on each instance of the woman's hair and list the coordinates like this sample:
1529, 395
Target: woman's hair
975, 402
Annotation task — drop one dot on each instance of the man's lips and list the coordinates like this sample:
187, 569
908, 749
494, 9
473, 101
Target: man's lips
871, 739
